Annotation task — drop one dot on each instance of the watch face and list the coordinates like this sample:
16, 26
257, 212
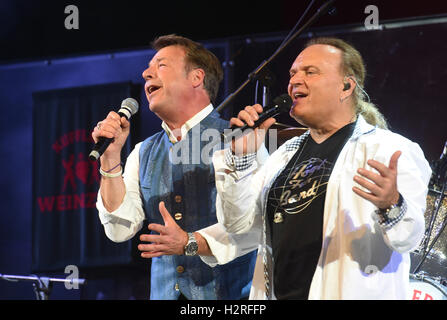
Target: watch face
191, 248
393, 213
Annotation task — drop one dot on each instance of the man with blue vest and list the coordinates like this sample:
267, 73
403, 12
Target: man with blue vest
176, 197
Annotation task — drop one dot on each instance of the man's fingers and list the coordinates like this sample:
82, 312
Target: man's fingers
148, 255
254, 111
366, 195
108, 128
157, 228
236, 122
155, 238
267, 123
152, 247
164, 213
372, 187
382, 168
246, 117
393, 161
124, 122
374, 177
112, 122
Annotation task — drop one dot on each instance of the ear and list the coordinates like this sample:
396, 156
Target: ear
349, 85
197, 77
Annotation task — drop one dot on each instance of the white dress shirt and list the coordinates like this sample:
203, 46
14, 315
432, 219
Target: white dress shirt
123, 223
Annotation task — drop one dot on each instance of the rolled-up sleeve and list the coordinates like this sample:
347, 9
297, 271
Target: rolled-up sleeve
123, 223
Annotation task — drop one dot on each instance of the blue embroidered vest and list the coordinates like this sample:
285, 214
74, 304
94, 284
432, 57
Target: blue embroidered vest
188, 189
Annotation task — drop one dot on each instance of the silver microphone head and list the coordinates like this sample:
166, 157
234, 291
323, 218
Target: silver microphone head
129, 107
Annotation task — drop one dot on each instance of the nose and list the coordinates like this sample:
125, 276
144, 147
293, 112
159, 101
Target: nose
296, 79
147, 74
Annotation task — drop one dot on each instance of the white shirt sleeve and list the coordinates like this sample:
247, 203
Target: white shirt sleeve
238, 230
123, 223
226, 247
238, 193
412, 182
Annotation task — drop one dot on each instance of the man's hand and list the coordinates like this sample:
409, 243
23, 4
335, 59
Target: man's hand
383, 186
117, 128
170, 240
251, 142
114, 127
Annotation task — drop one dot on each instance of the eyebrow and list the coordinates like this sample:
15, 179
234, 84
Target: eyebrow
307, 67
157, 60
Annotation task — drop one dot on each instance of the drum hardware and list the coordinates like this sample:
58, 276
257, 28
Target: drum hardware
424, 287
439, 178
426, 248
437, 192
439, 167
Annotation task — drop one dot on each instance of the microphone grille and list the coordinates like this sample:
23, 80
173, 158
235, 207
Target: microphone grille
284, 102
131, 104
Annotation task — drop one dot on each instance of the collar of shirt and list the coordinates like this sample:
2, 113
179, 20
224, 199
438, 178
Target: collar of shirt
199, 116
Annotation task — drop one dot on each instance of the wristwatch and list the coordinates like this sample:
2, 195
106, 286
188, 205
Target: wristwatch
392, 212
191, 247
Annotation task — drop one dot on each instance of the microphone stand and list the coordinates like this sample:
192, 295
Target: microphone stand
42, 285
256, 74
266, 80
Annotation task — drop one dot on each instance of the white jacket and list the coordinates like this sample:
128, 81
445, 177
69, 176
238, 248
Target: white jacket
359, 258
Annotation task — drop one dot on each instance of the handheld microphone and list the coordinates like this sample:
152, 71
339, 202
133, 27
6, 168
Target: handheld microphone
281, 104
128, 108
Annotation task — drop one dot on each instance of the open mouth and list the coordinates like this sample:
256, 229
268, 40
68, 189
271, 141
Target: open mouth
299, 95
151, 89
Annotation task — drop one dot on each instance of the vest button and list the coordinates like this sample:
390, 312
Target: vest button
178, 199
177, 287
178, 216
180, 269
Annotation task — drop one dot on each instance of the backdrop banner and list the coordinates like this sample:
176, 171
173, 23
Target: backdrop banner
65, 225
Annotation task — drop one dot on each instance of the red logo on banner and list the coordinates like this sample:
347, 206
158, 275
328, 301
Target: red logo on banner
80, 174
84, 171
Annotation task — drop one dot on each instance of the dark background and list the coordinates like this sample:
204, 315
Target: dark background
35, 29
407, 72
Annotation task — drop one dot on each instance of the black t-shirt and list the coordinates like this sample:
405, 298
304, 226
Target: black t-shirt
295, 213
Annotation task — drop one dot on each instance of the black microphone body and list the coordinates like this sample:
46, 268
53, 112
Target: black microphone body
281, 104
128, 108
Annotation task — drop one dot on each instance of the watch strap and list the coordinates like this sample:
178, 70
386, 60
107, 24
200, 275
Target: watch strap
387, 220
191, 246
